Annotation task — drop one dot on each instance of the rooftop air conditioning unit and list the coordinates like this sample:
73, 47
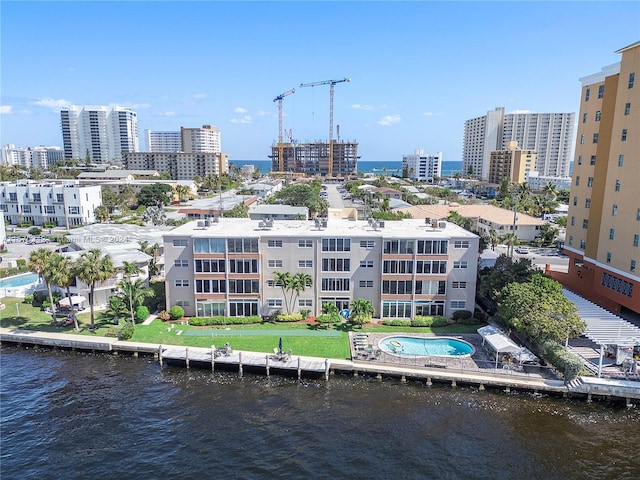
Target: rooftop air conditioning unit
324, 223
434, 224
442, 224
207, 223
381, 224
260, 224
200, 224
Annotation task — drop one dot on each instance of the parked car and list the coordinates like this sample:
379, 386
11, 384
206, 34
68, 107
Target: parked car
522, 250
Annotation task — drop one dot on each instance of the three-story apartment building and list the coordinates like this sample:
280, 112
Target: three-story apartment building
405, 268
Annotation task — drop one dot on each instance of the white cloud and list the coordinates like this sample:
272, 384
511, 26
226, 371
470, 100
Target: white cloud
51, 103
389, 120
431, 114
357, 106
200, 95
428, 114
240, 110
168, 114
245, 119
5, 109
262, 113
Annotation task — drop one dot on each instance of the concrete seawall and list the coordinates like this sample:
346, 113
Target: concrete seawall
583, 387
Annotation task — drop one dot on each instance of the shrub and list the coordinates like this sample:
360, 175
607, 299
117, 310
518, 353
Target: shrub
422, 321
21, 262
564, 361
470, 321
327, 318
220, 320
288, 317
164, 316
34, 231
305, 313
397, 323
176, 312
28, 298
461, 315
45, 304
142, 313
439, 321
126, 332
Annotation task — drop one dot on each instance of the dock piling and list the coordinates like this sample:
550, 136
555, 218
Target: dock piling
240, 364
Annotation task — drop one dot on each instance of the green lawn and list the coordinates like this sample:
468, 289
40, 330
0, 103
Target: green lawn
31, 318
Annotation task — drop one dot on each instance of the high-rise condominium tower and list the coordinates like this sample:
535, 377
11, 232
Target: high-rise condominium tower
201, 140
163, 141
603, 228
98, 132
550, 135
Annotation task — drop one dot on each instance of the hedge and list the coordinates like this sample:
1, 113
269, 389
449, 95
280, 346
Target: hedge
397, 323
220, 320
462, 315
327, 318
288, 317
564, 361
142, 313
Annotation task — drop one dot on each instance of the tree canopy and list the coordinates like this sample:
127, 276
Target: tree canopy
157, 195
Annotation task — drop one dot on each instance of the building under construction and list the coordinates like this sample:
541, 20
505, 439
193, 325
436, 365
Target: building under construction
313, 158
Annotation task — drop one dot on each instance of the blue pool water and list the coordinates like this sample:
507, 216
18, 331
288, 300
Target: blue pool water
19, 280
425, 346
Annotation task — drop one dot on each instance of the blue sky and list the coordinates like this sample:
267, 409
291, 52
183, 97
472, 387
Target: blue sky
419, 69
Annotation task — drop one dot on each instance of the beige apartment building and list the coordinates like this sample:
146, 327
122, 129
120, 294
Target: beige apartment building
512, 163
603, 228
405, 268
179, 165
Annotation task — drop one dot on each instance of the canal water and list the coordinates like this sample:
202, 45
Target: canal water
69, 415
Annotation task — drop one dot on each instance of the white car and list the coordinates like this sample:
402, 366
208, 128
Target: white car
522, 250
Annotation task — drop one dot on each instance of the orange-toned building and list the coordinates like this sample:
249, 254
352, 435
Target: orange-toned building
603, 227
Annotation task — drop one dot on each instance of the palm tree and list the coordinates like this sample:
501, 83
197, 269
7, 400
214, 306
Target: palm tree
129, 269
361, 311
283, 279
63, 275
299, 283
40, 263
510, 239
183, 192
133, 293
101, 213
93, 267
550, 190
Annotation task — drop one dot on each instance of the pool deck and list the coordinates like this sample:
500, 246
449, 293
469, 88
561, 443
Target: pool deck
468, 371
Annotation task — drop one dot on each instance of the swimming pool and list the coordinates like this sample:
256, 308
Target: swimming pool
19, 280
404, 346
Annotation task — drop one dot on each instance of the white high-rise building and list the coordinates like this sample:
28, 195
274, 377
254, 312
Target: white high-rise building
550, 135
201, 140
99, 132
422, 167
163, 141
31, 157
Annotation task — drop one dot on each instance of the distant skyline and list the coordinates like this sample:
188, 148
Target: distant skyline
418, 69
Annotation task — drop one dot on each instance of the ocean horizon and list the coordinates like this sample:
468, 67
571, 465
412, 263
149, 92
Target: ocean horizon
449, 168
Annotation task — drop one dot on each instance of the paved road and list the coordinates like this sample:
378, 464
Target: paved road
541, 257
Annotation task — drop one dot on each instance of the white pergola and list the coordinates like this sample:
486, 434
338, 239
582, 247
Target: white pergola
604, 327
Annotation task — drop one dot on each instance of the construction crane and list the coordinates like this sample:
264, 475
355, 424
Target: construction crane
279, 99
331, 83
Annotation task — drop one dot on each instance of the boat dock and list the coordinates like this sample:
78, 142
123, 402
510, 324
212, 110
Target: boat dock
210, 358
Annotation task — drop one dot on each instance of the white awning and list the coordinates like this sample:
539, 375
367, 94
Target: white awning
75, 300
498, 340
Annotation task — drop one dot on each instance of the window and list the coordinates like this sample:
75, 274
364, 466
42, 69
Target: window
336, 245
595, 137
632, 78
244, 286
210, 266
461, 264
397, 287
208, 308
305, 243
431, 267
598, 115
586, 94
397, 309
430, 308
398, 246
459, 285
335, 284
336, 264
632, 266
584, 118
181, 283
431, 287
612, 233
366, 283
242, 245
36, 197
243, 308
4, 208
636, 240
638, 214
209, 245
577, 180
274, 243
585, 223
582, 139
274, 302
620, 160
601, 91
25, 208
183, 303
74, 210
593, 160
617, 185
49, 209
627, 108
13, 197
583, 244
570, 239
608, 257
575, 200
461, 244
614, 210
305, 263
245, 265
433, 247
305, 302
579, 159
587, 203
211, 286
181, 242
623, 137
59, 197
590, 182
366, 264
274, 263
181, 263
397, 266
573, 220
458, 304
367, 244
